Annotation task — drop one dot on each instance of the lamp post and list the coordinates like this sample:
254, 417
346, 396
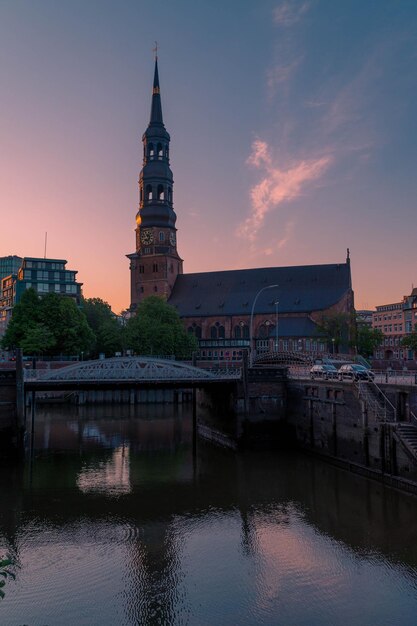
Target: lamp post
276, 325
251, 321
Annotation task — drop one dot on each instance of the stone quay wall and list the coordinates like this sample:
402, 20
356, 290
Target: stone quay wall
331, 419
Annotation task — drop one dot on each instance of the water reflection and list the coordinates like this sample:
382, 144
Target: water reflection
113, 506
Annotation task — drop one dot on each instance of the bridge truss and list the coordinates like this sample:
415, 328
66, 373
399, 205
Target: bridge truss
135, 369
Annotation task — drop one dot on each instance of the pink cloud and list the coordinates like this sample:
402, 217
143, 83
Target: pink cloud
277, 185
288, 13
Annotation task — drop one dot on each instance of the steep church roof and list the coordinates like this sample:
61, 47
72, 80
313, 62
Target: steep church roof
301, 289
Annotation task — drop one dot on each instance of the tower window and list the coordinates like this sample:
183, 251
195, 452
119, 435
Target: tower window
166, 151
169, 194
151, 151
159, 150
161, 236
149, 192
161, 193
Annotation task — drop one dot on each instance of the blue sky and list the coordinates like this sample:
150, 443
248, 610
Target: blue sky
292, 134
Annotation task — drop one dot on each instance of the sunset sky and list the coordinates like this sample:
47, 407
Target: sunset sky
293, 134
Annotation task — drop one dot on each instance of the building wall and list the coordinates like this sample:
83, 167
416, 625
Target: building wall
43, 275
396, 321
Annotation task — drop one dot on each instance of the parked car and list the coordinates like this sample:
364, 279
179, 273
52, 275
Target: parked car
351, 371
323, 371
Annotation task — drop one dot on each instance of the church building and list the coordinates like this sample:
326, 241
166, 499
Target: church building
278, 307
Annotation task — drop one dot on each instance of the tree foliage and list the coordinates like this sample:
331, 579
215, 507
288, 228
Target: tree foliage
368, 339
106, 328
157, 329
410, 341
51, 324
336, 328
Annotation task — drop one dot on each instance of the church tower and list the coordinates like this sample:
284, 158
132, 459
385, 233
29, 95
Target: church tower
156, 264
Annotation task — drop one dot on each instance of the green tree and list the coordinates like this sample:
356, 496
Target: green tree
368, 339
157, 329
38, 340
67, 323
50, 324
410, 341
26, 316
336, 327
106, 328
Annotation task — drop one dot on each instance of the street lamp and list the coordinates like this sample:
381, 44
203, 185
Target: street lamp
251, 321
276, 325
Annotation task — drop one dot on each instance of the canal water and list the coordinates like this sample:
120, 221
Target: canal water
113, 520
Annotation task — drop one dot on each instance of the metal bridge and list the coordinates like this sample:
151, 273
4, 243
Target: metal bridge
305, 358
125, 372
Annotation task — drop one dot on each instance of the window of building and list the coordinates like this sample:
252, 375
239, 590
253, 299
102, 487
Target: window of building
155, 267
43, 287
57, 287
161, 236
141, 269
155, 288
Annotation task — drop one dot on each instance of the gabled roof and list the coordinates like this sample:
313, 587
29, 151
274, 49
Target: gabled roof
301, 289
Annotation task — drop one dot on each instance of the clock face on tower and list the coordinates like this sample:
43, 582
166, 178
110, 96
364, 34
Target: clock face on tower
172, 238
146, 237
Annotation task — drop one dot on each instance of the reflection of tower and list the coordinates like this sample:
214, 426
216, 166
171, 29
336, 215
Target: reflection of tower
155, 264
153, 597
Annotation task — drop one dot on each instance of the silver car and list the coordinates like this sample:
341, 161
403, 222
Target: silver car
323, 371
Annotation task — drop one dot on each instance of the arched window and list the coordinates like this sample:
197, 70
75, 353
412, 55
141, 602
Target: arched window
190, 330
159, 151
160, 192
221, 332
198, 332
213, 332
161, 236
237, 332
245, 332
149, 192
263, 331
151, 151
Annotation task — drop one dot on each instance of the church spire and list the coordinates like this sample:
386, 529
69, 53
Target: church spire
156, 108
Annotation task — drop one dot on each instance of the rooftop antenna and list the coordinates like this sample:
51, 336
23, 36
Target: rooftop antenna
46, 241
